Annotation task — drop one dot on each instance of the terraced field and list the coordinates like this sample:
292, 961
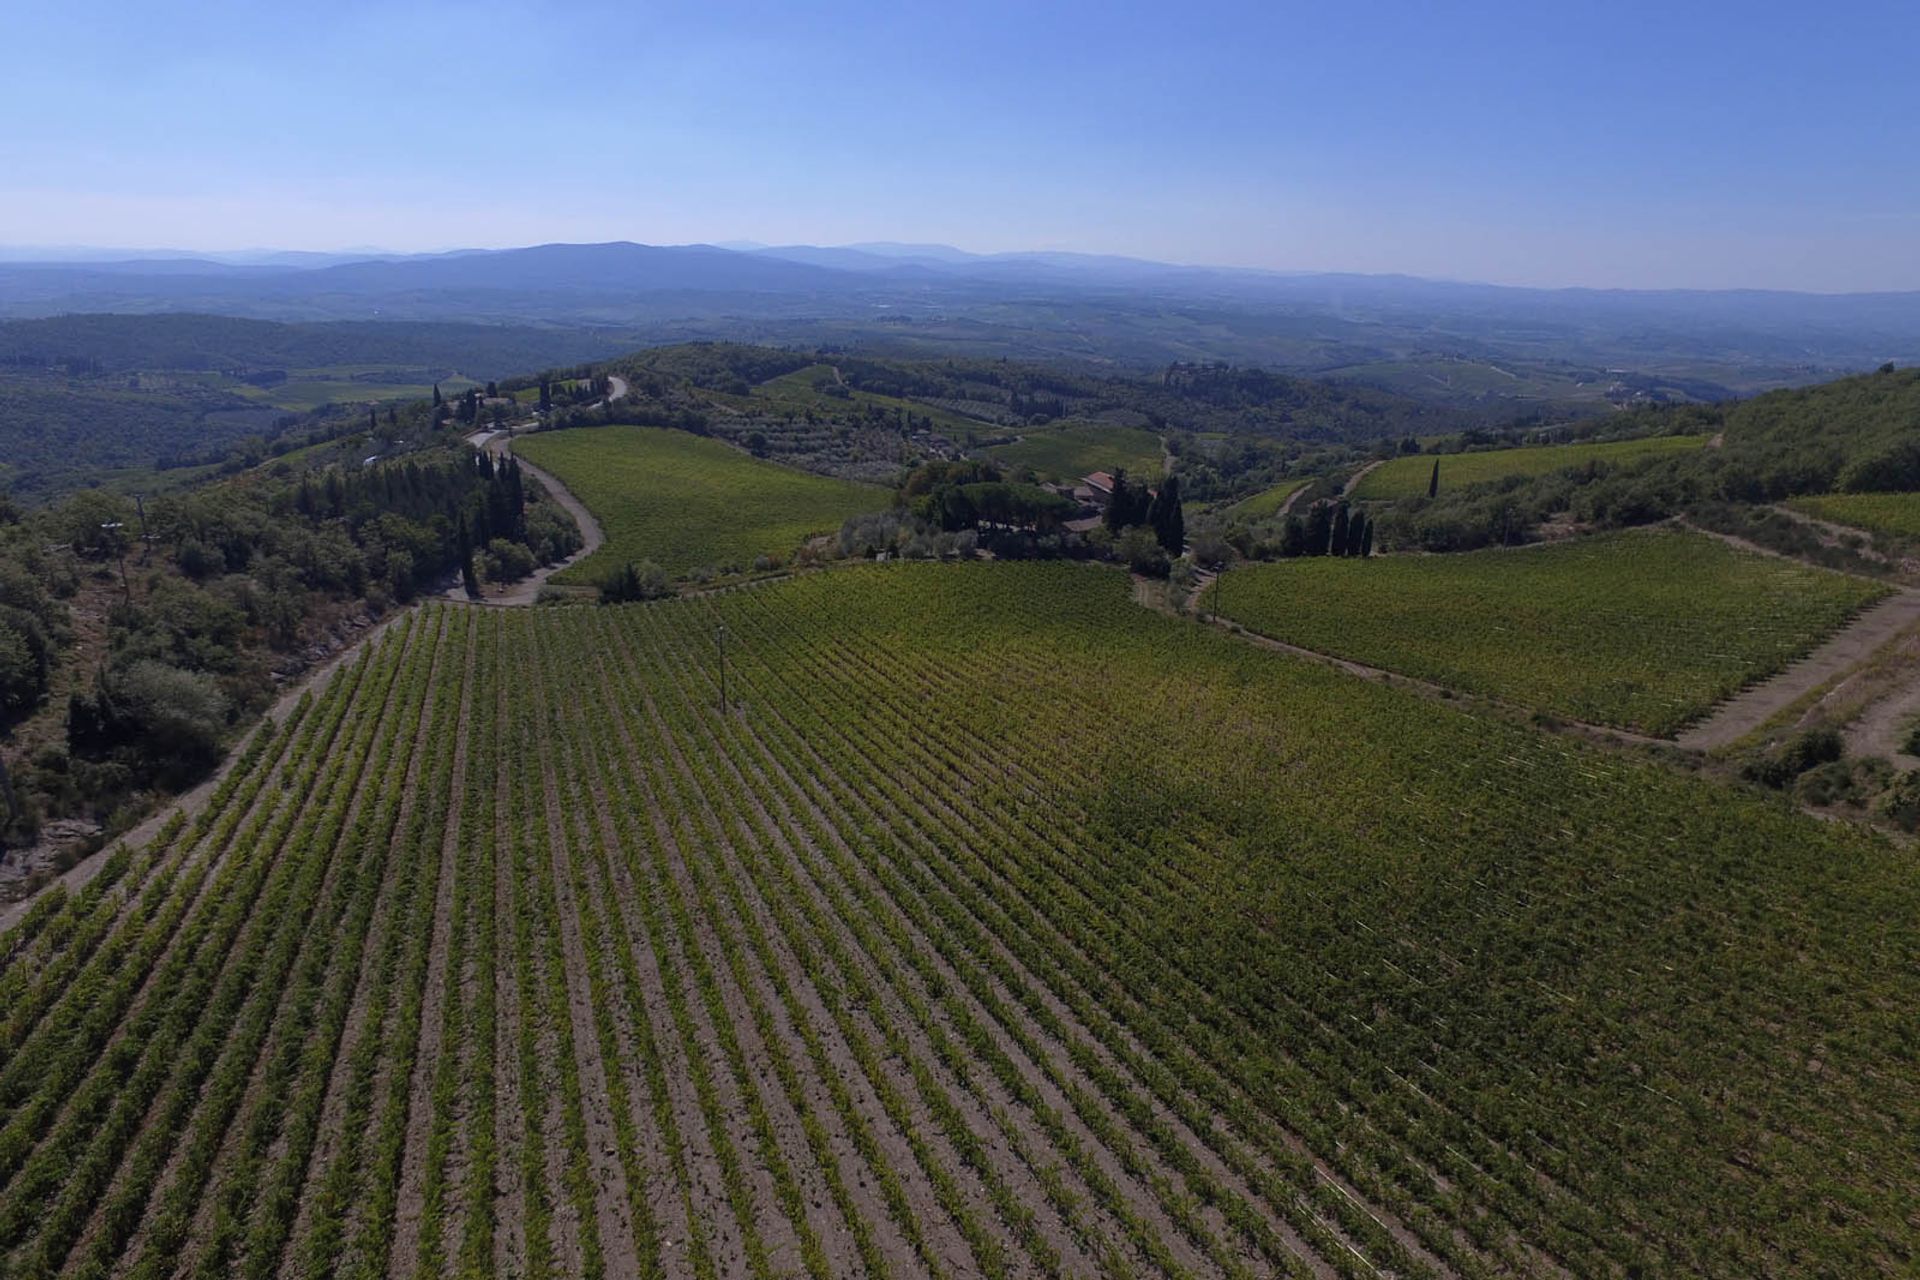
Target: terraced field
1408, 477
1641, 630
1066, 453
513, 952
685, 501
1897, 514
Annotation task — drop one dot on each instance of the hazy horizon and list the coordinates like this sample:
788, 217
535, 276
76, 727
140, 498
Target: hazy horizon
1721, 147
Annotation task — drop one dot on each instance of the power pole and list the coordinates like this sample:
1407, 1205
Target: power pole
146, 539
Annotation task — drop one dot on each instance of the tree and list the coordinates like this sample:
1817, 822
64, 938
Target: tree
1337, 541
1433, 481
1119, 505
1366, 540
546, 395
1142, 552
1293, 538
1319, 530
373, 420
1164, 516
437, 402
644, 581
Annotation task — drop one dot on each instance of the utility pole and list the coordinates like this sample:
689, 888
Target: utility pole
720, 637
146, 539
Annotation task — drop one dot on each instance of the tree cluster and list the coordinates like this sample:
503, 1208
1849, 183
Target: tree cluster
1158, 510
1329, 529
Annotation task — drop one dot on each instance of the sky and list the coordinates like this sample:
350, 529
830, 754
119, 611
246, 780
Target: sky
1683, 144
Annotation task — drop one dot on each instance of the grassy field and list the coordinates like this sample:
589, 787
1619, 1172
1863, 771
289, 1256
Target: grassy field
1266, 503
1066, 453
1407, 477
1643, 630
684, 501
511, 953
310, 388
1897, 514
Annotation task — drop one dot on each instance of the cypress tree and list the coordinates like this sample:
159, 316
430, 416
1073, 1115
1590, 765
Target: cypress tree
1293, 538
1165, 518
1433, 481
1366, 540
468, 579
1337, 543
1319, 529
373, 419
436, 395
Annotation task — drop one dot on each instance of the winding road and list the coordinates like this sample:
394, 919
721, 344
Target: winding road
499, 444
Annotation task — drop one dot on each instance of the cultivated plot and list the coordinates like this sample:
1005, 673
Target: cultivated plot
1409, 477
1066, 453
685, 501
1641, 630
1897, 514
993, 927
1265, 504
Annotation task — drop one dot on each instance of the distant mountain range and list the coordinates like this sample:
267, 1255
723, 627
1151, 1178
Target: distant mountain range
919, 298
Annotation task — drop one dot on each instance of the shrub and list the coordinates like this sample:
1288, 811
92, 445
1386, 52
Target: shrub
1796, 756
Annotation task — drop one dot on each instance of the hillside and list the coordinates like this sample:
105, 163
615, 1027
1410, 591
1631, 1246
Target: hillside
83, 396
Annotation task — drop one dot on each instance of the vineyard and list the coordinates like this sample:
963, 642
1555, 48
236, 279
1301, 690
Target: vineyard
1640, 630
1067, 452
1266, 504
686, 502
1897, 514
1409, 477
990, 926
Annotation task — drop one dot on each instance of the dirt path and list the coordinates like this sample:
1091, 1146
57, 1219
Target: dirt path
1353, 481
592, 536
1854, 644
1882, 730
1286, 508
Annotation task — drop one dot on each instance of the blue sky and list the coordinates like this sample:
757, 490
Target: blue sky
1699, 144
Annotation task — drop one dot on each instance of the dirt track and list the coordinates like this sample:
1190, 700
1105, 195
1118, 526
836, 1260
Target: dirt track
1860, 640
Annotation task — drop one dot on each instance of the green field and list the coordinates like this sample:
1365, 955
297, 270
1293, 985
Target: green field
308, 389
1266, 503
685, 501
1897, 514
1643, 630
511, 953
1407, 477
1066, 453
